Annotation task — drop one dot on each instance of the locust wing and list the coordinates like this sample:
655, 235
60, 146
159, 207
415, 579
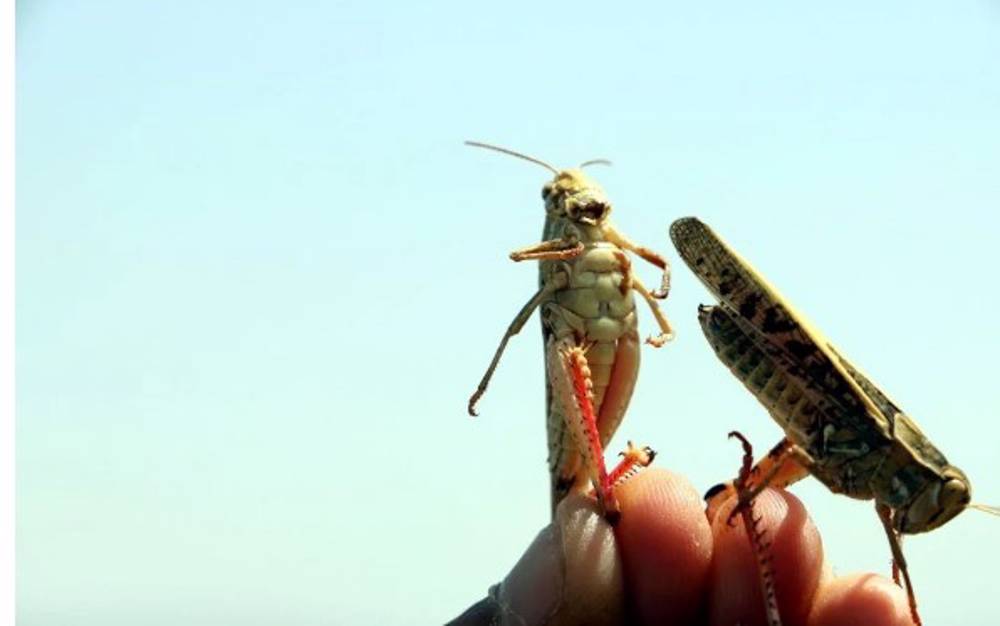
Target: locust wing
774, 325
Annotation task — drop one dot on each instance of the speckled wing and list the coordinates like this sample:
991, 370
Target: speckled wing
772, 322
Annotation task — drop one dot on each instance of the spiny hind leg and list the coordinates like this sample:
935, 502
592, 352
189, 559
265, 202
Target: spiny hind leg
564, 460
570, 380
565, 478
751, 525
898, 560
634, 459
784, 465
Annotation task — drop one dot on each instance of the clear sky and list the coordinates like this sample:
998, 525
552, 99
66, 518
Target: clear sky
258, 275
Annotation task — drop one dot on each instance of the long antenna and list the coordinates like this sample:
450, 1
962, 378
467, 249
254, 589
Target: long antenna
595, 162
478, 144
985, 508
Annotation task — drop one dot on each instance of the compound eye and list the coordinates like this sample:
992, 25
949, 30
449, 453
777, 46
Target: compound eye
955, 492
546, 191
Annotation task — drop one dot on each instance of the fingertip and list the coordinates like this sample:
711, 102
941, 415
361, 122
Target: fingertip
666, 546
796, 554
570, 574
593, 584
860, 599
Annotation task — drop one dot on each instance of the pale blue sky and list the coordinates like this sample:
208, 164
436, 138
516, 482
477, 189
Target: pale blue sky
258, 276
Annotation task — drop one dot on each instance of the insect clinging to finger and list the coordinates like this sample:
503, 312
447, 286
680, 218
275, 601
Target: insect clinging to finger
838, 425
588, 325
754, 533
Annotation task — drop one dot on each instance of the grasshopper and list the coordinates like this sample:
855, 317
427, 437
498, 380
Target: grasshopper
839, 426
588, 325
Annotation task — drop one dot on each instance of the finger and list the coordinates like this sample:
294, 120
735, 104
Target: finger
593, 589
570, 574
797, 561
666, 547
860, 599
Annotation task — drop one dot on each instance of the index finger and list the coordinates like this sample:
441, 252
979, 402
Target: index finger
666, 547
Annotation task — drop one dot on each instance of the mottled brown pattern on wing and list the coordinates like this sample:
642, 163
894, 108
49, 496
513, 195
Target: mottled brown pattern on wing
769, 318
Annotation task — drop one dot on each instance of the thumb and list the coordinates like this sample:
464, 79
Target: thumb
570, 574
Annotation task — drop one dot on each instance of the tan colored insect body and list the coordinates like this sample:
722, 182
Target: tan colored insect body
849, 452
839, 426
587, 308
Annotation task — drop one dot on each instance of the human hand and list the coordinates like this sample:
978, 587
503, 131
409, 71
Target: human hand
665, 563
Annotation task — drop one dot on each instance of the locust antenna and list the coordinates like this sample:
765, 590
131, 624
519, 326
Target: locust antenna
478, 144
595, 162
992, 510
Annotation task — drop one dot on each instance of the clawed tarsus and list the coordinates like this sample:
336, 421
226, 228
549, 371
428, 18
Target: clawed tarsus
633, 460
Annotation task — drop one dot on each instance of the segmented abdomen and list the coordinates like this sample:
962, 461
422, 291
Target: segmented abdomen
596, 311
845, 458
782, 397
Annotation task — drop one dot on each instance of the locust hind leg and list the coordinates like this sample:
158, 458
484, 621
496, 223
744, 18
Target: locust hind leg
784, 465
571, 383
633, 460
751, 525
613, 368
898, 560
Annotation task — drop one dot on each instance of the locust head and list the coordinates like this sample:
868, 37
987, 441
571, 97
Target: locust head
935, 504
573, 195
570, 194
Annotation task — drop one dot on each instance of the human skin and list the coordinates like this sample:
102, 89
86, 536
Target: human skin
666, 563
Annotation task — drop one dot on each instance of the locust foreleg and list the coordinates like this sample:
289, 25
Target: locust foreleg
552, 250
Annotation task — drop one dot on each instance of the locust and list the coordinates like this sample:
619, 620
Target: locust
839, 426
589, 329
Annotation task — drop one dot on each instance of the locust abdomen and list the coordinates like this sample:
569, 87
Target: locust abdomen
596, 311
846, 455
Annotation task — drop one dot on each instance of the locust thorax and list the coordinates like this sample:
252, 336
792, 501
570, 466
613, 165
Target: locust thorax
574, 196
935, 504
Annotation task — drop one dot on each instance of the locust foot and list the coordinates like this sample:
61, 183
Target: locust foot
633, 459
